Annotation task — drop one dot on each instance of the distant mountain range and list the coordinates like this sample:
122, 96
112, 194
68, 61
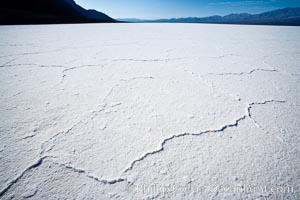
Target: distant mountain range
285, 16
67, 11
47, 12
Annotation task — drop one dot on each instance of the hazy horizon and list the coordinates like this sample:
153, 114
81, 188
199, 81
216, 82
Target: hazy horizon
156, 9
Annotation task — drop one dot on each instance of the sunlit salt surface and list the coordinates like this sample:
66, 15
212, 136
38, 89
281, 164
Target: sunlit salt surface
145, 111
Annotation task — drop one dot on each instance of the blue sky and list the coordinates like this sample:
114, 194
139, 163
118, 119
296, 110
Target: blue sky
156, 9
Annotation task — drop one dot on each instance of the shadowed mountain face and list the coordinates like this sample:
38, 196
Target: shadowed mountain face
286, 16
47, 12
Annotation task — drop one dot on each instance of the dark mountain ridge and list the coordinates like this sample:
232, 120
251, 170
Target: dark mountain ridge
48, 12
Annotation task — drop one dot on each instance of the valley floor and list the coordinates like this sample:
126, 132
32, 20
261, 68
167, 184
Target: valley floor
149, 111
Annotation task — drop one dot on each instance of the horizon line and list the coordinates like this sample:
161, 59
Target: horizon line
135, 18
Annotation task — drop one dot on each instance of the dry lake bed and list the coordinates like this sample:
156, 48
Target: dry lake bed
149, 111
